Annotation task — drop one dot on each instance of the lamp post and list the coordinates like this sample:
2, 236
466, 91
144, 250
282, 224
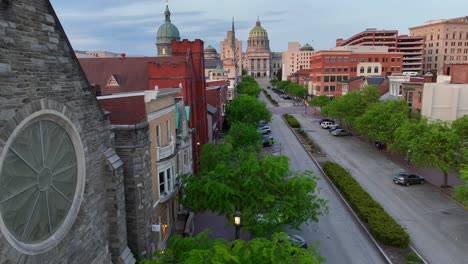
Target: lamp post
237, 223
408, 159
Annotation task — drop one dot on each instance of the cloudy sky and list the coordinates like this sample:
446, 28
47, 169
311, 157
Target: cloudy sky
130, 26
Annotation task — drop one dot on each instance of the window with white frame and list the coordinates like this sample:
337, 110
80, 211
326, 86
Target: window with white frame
168, 130
166, 181
158, 135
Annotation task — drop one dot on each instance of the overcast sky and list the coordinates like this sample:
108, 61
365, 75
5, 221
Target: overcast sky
130, 26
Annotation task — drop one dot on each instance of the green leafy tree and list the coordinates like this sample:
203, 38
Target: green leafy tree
262, 188
244, 72
248, 86
247, 109
319, 101
461, 192
337, 108
244, 136
432, 144
380, 120
203, 249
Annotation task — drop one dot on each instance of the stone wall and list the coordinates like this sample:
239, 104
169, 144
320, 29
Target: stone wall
39, 71
133, 147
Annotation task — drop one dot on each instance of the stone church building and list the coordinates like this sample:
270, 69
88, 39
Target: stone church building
61, 182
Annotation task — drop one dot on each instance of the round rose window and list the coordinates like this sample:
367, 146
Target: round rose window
38, 182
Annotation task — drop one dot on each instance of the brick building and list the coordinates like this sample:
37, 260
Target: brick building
458, 73
446, 42
328, 67
68, 203
216, 97
296, 58
412, 47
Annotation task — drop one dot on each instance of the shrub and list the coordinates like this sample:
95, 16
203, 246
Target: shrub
381, 225
413, 258
292, 121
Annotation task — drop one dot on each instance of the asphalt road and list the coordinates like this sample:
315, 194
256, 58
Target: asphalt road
438, 226
341, 239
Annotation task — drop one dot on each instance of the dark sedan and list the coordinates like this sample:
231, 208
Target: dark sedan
407, 178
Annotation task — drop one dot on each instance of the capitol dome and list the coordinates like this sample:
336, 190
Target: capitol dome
210, 49
166, 33
258, 31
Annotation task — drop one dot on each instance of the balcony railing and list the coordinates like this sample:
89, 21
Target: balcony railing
164, 152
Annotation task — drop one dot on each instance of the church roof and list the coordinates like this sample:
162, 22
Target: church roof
167, 31
258, 31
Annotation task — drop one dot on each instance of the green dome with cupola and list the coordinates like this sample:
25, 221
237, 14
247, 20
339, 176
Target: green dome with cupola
166, 33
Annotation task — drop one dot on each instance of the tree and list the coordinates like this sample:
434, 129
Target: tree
244, 72
262, 188
380, 120
203, 249
337, 108
319, 101
244, 136
249, 86
461, 192
432, 144
248, 110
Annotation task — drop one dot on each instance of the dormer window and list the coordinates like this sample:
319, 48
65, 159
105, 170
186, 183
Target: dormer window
114, 80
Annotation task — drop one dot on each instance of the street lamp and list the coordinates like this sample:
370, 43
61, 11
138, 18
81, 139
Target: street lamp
408, 154
237, 223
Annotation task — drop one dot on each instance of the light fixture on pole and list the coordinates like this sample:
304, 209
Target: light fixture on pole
237, 223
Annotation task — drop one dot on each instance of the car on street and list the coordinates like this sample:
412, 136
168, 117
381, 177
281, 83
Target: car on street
264, 129
327, 124
407, 178
325, 120
334, 127
340, 132
297, 241
267, 140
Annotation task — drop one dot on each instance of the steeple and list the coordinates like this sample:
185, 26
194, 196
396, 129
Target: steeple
167, 13
233, 37
258, 21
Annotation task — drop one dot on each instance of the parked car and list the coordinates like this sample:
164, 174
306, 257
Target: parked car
325, 120
267, 140
327, 124
407, 178
268, 87
341, 132
298, 241
264, 130
334, 127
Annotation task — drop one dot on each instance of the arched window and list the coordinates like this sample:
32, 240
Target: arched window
361, 70
376, 69
163, 51
369, 69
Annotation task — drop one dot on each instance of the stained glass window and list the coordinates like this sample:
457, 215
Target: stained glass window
38, 181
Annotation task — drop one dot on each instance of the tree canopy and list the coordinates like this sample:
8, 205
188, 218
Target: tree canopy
248, 86
203, 249
380, 120
320, 101
244, 136
432, 144
262, 188
248, 110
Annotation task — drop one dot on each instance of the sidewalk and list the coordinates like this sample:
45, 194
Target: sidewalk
433, 176
219, 225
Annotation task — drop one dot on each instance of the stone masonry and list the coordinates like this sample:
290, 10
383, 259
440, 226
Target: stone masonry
39, 71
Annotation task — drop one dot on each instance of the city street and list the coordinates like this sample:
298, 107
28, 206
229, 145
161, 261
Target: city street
341, 238
438, 226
